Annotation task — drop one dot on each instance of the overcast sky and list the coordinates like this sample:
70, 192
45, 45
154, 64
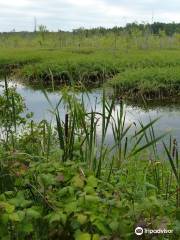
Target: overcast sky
70, 14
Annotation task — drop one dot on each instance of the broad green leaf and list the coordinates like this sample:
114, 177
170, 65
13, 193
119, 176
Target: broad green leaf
7, 207
89, 190
96, 237
4, 218
81, 218
82, 236
71, 207
48, 179
101, 227
114, 225
9, 193
27, 228
14, 217
78, 181
21, 215
33, 213
91, 199
20, 201
92, 181
56, 217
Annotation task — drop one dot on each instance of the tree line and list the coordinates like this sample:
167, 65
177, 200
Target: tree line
155, 28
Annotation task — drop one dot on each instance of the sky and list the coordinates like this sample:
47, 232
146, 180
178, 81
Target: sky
71, 14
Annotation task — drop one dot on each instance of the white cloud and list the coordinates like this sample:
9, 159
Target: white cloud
69, 14
16, 4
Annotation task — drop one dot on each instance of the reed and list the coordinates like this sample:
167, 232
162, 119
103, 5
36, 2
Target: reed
64, 179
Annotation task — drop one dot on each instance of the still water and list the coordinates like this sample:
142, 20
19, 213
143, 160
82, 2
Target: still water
169, 113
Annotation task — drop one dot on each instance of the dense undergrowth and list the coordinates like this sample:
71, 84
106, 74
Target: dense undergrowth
61, 181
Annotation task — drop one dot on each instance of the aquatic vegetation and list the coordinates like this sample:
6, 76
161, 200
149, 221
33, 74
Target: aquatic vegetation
155, 72
62, 182
148, 83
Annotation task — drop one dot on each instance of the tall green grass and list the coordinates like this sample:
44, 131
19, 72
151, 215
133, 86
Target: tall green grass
150, 83
89, 131
62, 180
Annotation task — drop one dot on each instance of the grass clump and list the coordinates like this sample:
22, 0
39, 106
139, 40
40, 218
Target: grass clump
150, 83
80, 72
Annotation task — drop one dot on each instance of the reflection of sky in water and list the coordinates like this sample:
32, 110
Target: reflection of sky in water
169, 121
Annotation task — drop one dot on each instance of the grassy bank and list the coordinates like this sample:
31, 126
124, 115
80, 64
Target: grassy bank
154, 74
79, 66
133, 57
63, 182
149, 83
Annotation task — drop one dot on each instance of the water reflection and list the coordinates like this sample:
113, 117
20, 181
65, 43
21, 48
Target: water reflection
169, 112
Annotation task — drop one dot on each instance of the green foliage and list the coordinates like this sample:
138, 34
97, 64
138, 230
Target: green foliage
11, 107
150, 83
57, 203
59, 182
140, 62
